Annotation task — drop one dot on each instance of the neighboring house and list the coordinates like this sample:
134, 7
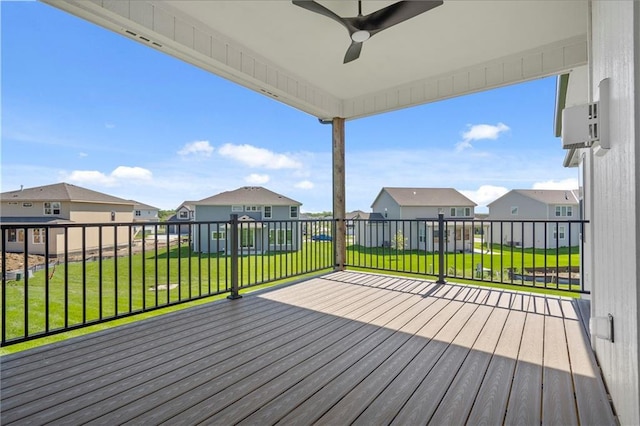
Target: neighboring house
268, 221
60, 204
519, 206
412, 214
144, 213
185, 213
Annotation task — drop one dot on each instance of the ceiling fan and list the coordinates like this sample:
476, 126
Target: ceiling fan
361, 28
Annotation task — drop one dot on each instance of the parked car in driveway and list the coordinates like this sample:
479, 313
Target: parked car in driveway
321, 237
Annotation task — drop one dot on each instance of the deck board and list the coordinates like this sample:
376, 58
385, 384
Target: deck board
525, 398
344, 348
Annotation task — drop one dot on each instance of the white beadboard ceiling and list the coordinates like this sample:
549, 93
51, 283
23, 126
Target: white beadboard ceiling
294, 55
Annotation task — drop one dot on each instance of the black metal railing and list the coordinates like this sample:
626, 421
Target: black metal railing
59, 277
545, 254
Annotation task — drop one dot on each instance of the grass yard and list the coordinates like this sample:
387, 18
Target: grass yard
497, 263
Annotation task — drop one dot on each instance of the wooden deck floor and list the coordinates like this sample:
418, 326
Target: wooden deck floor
346, 348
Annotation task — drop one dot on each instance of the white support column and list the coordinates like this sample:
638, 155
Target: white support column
339, 204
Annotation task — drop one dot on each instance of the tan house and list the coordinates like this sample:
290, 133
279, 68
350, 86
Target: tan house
39, 218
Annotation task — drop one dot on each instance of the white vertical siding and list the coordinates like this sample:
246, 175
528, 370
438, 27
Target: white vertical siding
615, 191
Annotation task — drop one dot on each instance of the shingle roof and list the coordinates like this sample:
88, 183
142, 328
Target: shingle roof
430, 197
16, 220
248, 195
547, 196
141, 206
62, 192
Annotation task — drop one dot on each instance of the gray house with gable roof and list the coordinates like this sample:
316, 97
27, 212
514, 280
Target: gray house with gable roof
413, 213
520, 206
268, 221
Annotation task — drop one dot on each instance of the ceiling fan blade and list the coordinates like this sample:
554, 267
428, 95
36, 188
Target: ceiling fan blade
353, 52
395, 14
320, 9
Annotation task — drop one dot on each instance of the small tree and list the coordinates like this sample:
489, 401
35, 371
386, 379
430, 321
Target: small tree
397, 242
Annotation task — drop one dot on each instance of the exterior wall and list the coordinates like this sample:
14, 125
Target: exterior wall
188, 212
384, 234
421, 212
100, 213
17, 209
386, 206
56, 239
528, 208
528, 234
145, 215
615, 192
280, 220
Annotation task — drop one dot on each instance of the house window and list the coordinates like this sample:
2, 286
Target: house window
138, 213
27, 204
564, 211
460, 211
183, 214
218, 235
561, 232
38, 236
293, 212
247, 237
514, 211
422, 235
280, 236
15, 236
267, 212
467, 233
252, 208
51, 208
237, 208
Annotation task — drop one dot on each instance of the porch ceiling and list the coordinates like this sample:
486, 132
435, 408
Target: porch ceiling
295, 56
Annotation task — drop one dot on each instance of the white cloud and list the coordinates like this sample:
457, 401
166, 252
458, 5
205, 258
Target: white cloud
305, 184
484, 195
121, 174
569, 183
83, 154
198, 147
257, 179
258, 157
89, 177
137, 173
478, 132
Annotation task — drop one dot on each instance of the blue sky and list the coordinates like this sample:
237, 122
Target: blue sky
83, 105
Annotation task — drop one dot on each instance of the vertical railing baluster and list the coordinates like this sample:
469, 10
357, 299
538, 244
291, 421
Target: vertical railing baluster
441, 250
84, 273
130, 231
115, 271
46, 280
66, 275
234, 258
4, 283
144, 265
100, 271
168, 282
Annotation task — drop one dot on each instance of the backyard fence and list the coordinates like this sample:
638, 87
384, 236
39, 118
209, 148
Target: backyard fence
60, 277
